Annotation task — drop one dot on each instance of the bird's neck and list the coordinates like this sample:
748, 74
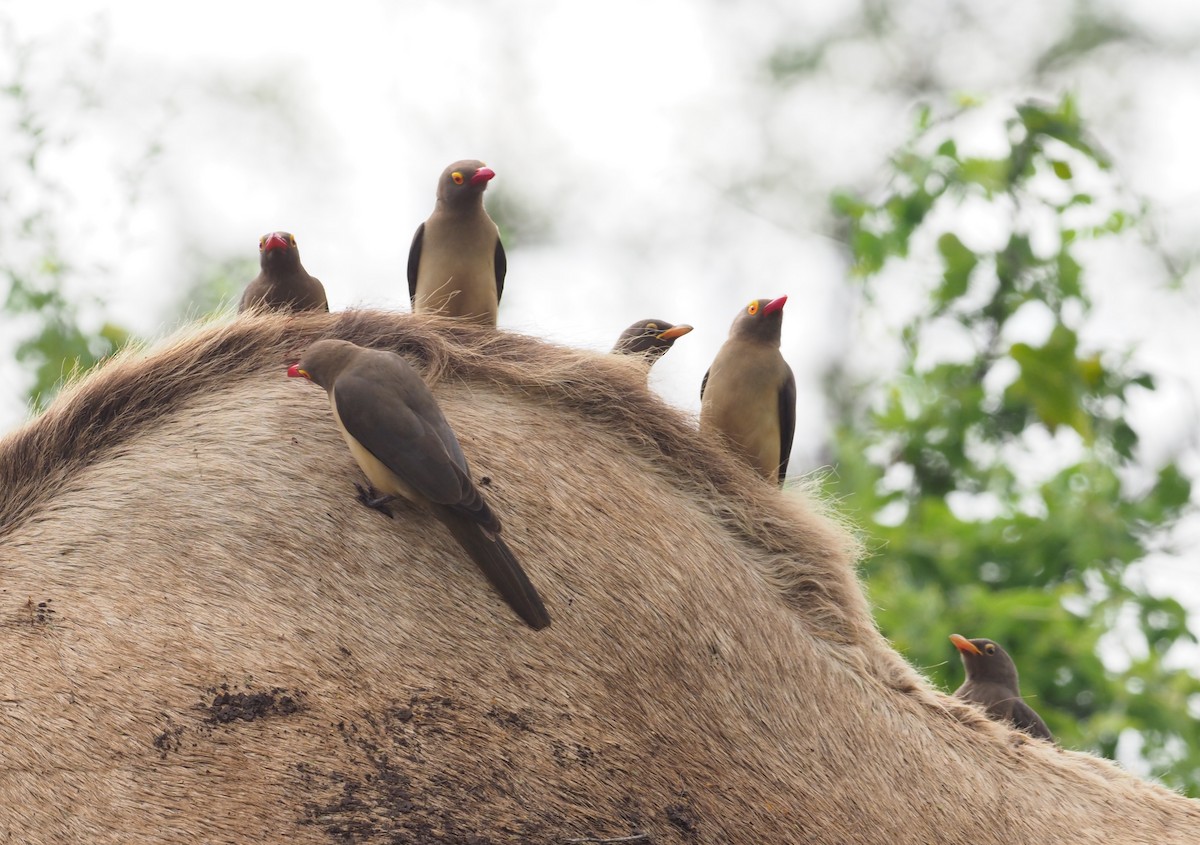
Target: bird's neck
458, 209
282, 270
770, 340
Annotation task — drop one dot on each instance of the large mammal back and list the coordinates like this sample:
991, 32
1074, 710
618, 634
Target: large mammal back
207, 638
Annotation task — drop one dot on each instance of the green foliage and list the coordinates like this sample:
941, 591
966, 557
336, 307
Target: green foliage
994, 484
55, 340
520, 221
56, 348
218, 285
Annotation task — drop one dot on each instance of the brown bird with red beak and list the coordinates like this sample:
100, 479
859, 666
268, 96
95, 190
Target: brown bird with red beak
456, 264
283, 284
649, 338
748, 394
992, 684
399, 437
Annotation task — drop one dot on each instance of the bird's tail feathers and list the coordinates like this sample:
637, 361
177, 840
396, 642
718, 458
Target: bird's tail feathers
492, 555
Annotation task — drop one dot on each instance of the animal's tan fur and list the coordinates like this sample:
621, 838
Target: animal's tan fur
186, 519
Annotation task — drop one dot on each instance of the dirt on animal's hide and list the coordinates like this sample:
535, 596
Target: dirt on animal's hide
205, 637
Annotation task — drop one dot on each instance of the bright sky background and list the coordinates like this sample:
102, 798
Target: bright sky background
660, 174
620, 138
625, 129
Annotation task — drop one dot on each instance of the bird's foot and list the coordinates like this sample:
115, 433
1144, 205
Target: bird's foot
370, 497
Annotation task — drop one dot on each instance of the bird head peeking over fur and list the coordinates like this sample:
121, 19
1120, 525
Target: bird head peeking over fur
985, 660
651, 338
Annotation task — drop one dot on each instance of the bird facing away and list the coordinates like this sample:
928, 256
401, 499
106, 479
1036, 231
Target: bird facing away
992, 684
456, 263
748, 394
650, 339
397, 434
283, 284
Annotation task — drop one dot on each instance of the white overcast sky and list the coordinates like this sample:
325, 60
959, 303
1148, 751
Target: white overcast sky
629, 130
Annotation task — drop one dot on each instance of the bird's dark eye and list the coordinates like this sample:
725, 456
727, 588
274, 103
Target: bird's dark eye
989, 648
262, 241
753, 309
291, 240
652, 327
457, 177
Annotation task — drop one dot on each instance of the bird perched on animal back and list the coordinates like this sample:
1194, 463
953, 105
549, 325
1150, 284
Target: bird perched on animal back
456, 264
748, 394
649, 338
992, 683
282, 284
399, 437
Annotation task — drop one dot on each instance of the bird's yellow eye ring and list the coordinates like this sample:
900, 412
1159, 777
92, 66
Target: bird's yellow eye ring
292, 240
457, 177
753, 308
652, 326
262, 241
989, 648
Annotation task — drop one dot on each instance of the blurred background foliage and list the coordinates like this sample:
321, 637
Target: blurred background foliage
993, 472
53, 341
992, 466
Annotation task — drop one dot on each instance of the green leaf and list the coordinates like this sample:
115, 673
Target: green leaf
1172, 490
959, 262
1050, 381
115, 336
990, 174
1116, 223
1069, 273
869, 253
845, 204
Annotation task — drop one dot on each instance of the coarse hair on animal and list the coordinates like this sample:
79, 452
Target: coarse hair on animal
109, 408
208, 638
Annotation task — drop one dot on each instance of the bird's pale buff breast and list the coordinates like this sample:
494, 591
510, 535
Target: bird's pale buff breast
381, 478
457, 275
748, 413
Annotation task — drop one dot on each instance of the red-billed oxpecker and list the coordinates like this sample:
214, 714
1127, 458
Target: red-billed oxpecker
283, 284
398, 435
749, 393
456, 263
992, 684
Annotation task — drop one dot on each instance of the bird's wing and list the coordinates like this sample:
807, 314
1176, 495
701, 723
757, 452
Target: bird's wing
252, 295
414, 263
704, 382
1027, 719
319, 289
382, 420
787, 421
501, 268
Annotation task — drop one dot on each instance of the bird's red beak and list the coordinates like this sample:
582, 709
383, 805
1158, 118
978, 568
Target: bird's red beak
964, 645
275, 241
775, 305
483, 174
294, 371
674, 332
